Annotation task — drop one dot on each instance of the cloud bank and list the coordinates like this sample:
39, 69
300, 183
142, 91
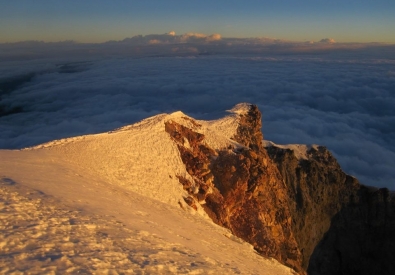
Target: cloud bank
340, 98
171, 44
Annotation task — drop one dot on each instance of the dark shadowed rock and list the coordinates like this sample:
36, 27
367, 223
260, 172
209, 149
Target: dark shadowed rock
318, 189
249, 132
361, 238
341, 227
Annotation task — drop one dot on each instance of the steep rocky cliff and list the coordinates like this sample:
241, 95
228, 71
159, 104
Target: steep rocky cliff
240, 188
317, 188
341, 226
293, 203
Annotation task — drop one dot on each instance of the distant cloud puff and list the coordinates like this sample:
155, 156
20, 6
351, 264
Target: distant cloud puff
214, 37
328, 40
154, 41
199, 37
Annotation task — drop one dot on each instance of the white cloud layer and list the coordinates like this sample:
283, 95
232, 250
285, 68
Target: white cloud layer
163, 45
340, 97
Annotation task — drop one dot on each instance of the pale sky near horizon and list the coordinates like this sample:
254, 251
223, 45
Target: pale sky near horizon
99, 20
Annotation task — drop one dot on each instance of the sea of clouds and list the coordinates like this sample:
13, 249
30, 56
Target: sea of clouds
341, 96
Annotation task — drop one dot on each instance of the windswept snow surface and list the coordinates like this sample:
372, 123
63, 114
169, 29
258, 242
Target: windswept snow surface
110, 204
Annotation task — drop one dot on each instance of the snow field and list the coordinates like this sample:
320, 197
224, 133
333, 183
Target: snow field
39, 237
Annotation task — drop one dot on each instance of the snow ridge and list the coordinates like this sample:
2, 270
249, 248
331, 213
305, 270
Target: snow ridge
122, 187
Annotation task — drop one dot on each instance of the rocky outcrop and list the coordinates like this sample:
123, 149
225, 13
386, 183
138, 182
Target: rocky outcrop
251, 202
341, 226
197, 158
298, 207
317, 188
240, 188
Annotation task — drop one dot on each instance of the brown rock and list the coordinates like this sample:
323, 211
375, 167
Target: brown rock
306, 213
247, 194
191, 202
341, 227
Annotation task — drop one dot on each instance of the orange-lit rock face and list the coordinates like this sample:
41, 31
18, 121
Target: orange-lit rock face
240, 188
255, 204
301, 209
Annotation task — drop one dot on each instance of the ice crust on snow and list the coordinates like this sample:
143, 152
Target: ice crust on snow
241, 108
117, 194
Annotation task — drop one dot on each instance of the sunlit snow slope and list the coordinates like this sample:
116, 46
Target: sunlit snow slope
110, 203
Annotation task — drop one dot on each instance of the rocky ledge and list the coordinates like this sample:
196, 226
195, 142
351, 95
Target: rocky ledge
294, 203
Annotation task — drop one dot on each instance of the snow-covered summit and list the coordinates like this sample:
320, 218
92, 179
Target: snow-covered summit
111, 202
241, 108
142, 157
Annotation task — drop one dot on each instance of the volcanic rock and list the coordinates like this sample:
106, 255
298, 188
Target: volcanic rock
293, 203
240, 188
361, 238
341, 226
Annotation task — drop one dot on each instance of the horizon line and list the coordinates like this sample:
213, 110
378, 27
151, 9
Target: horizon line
203, 36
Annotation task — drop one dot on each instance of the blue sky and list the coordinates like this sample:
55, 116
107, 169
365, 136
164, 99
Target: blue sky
99, 21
